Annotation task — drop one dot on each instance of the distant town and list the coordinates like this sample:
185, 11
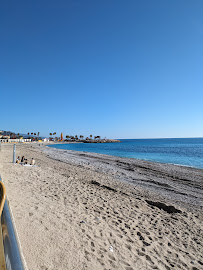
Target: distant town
8, 136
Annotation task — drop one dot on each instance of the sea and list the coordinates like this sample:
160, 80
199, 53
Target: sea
185, 152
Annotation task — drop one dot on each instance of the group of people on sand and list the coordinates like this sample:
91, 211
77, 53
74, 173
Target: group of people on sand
23, 161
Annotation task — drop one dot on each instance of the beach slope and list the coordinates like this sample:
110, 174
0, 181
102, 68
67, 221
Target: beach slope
90, 211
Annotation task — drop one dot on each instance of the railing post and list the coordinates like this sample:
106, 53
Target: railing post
14, 153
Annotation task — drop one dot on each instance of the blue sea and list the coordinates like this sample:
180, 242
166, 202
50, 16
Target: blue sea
186, 152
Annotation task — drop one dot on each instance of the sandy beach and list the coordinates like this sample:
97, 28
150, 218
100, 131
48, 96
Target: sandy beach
87, 211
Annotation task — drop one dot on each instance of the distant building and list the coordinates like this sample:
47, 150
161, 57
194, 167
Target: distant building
8, 140
6, 137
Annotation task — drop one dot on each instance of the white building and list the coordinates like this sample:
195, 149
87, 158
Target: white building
5, 140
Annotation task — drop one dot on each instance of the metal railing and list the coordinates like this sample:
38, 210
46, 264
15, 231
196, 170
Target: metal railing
12, 255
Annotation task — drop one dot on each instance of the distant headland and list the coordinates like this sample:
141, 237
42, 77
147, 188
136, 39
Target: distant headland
100, 141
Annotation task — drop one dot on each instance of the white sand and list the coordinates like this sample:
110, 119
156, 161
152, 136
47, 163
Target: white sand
67, 216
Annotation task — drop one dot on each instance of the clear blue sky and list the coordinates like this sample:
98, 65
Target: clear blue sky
120, 69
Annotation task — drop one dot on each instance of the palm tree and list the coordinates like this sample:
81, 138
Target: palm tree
54, 133
90, 136
28, 133
38, 134
35, 134
50, 134
67, 136
31, 133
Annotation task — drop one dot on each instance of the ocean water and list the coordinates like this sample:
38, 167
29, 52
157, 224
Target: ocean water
186, 152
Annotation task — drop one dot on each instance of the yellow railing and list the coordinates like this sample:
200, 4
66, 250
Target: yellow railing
10, 256
2, 197
2, 202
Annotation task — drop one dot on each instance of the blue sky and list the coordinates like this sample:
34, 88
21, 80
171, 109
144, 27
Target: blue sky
118, 69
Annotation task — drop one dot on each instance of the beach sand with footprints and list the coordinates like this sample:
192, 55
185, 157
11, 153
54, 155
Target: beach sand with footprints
82, 211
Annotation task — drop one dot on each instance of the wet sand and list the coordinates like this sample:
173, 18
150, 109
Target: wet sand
77, 210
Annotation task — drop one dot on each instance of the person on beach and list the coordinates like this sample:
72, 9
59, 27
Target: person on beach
22, 159
32, 161
18, 160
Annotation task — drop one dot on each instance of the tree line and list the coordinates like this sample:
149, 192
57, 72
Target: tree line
33, 133
76, 137
82, 137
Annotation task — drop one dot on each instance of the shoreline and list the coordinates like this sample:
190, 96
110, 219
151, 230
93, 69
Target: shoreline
92, 211
128, 174
153, 161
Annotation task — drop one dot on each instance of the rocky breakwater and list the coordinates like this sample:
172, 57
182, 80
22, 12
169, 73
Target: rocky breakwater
102, 141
